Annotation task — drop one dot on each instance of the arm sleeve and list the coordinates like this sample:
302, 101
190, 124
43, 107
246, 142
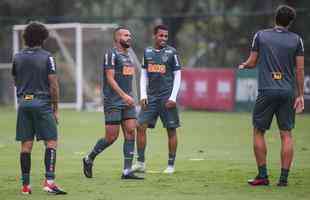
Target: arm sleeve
109, 60
51, 65
300, 48
143, 84
13, 71
255, 42
176, 85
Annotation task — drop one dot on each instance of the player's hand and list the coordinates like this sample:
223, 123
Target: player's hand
143, 104
299, 104
56, 116
170, 104
242, 66
129, 100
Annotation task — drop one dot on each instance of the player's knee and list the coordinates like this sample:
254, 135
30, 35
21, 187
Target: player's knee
130, 135
26, 147
259, 131
141, 128
285, 135
52, 144
131, 129
171, 132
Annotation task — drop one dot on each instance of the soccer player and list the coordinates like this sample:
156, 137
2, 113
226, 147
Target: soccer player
159, 84
34, 73
279, 57
119, 107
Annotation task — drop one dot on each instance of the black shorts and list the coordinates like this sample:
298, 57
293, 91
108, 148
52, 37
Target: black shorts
274, 102
35, 119
116, 114
156, 108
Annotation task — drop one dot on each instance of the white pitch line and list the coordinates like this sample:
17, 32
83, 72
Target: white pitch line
153, 172
79, 153
196, 159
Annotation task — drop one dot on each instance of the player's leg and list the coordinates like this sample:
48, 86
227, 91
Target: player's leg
25, 134
141, 142
264, 110
147, 118
172, 146
112, 125
139, 166
286, 122
287, 152
171, 121
112, 132
129, 125
260, 152
46, 130
49, 184
25, 164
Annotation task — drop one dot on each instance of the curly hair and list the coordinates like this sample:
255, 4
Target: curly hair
35, 34
285, 15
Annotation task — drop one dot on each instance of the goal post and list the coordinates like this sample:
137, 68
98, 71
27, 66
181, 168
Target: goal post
74, 40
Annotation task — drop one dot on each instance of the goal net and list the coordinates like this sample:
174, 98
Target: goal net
78, 50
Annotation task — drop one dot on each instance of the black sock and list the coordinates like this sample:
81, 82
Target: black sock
171, 159
101, 145
25, 164
50, 161
128, 151
284, 175
262, 171
141, 152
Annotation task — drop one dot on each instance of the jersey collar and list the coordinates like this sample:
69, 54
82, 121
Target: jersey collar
280, 29
159, 50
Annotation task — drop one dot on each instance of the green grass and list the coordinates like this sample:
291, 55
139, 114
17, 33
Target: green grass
223, 140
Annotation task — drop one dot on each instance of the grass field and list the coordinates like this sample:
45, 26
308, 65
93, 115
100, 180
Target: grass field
222, 140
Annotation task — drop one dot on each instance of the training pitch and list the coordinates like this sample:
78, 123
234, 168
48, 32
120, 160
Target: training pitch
214, 161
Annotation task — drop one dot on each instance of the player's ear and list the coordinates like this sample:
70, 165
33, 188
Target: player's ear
116, 36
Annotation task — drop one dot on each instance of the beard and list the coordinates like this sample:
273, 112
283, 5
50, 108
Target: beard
124, 44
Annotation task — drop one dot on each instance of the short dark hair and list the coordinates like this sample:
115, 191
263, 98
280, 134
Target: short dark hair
159, 27
119, 28
35, 34
285, 15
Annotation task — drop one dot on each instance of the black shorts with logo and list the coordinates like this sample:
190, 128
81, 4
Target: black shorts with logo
274, 102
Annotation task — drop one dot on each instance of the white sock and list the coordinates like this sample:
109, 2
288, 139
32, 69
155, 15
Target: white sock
126, 171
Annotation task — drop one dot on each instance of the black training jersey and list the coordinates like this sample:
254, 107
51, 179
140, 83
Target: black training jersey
31, 67
160, 65
277, 50
124, 71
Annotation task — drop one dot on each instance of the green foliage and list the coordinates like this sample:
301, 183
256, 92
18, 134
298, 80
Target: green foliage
222, 29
